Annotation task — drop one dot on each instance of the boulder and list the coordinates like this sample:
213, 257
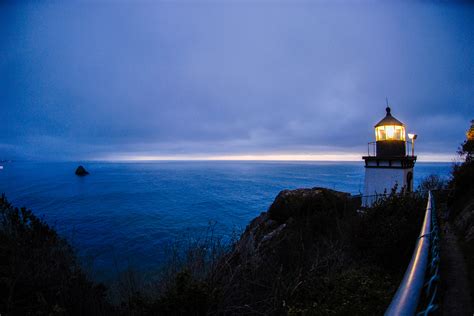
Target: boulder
300, 227
305, 202
296, 217
81, 171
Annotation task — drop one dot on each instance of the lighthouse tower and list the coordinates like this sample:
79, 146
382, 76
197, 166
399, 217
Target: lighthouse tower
387, 163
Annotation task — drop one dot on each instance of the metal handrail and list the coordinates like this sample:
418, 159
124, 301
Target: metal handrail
405, 301
371, 149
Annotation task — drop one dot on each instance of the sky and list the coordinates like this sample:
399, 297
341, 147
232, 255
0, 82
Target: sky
291, 80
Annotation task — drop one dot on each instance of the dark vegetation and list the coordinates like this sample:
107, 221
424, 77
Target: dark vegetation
312, 253
461, 204
39, 273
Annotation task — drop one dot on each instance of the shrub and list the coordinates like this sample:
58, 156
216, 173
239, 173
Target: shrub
461, 205
387, 232
432, 182
186, 296
39, 273
461, 185
352, 291
183, 285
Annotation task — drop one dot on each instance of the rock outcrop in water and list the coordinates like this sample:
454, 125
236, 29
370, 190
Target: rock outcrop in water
81, 171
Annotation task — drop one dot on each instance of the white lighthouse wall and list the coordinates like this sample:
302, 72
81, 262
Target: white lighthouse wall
381, 180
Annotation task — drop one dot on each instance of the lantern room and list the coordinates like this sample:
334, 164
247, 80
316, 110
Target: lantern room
389, 132
389, 128
390, 136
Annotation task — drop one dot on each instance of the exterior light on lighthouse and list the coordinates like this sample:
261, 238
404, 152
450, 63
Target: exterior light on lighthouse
412, 137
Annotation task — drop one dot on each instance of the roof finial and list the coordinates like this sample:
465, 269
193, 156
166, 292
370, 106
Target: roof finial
387, 108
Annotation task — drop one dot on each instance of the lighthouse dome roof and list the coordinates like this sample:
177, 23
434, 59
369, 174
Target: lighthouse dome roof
389, 120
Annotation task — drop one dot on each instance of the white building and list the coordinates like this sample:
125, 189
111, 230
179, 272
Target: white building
387, 163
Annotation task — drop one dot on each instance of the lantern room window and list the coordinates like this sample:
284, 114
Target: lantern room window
389, 132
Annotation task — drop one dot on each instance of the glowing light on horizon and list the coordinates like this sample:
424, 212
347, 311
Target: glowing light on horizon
352, 157
246, 157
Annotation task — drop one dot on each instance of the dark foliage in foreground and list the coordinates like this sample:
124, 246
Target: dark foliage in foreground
386, 233
461, 205
186, 296
375, 248
462, 181
39, 274
462, 186
432, 183
312, 253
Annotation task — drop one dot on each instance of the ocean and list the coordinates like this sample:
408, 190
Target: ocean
127, 214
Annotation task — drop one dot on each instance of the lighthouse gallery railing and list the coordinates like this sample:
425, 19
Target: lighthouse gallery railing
422, 272
372, 148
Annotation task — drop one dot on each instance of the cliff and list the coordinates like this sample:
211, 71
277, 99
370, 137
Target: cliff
293, 225
313, 252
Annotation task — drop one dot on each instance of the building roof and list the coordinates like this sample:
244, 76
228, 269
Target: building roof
389, 120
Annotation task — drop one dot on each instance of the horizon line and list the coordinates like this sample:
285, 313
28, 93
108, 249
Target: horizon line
343, 157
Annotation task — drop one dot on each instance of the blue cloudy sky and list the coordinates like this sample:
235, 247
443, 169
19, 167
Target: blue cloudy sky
230, 79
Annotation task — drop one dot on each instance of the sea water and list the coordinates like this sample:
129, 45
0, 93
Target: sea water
124, 214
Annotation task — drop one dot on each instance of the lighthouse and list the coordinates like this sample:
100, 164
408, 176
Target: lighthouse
389, 161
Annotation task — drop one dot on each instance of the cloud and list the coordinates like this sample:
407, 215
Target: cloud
89, 80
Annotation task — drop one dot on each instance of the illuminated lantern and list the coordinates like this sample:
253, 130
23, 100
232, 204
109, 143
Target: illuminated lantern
388, 165
390, 136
